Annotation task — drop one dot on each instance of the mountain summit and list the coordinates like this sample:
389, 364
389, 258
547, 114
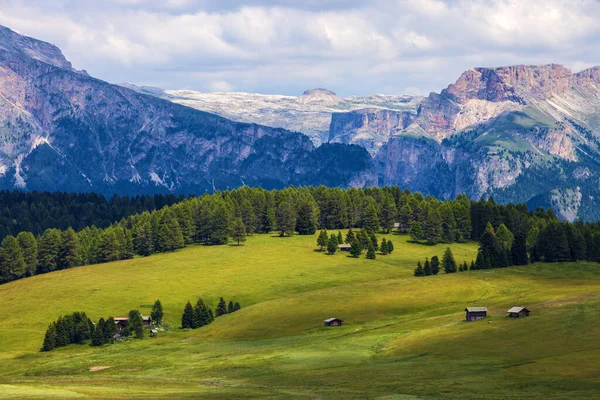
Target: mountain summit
322, 96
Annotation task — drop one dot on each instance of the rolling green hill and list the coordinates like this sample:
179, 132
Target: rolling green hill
403, 337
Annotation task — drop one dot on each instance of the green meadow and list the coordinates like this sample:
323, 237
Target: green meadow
403, 337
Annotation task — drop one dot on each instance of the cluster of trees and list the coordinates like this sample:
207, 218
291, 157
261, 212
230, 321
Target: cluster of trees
104, 332
433, 267
362, 240
199, 315
217, 218
37, 211
74, 328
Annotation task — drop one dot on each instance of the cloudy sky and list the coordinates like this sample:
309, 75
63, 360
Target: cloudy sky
286, 46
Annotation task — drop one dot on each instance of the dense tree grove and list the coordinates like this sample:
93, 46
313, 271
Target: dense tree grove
517, 235
199, 315
74, 328
37, 211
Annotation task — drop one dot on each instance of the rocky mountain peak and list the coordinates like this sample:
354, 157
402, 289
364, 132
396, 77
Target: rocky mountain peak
518, 83
319, 95
14, 42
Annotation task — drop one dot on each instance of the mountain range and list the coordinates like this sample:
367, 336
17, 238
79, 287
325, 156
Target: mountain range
525, 133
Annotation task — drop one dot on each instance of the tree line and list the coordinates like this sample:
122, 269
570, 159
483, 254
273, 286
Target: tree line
194, 317
214, 219
362, 241
37, 211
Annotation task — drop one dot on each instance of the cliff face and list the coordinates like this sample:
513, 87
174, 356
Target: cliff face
63, 130
517, 133
369, 128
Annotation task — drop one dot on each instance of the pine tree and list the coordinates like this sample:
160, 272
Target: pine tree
238, 231
363, 239
230, 307
519, 250
219, 223
110, 329
435, 265
373, 239
249, 217
221, 308
433, 226
370, 220
371, 252
472, 266
504, 237
306, 221
236, 306
285, 217
340, 238
69, 254
416, 231
29, 250
448, 261
355, 249
108, 246
201, 315
143, 243
136, 324
169, 235
332, 244
405, 217
157, 312
419, 271
48, 250
12, 264
322, 239
50, 338
383, 247
427, 267
387, 216
187, 319
390, 246
98, 338
350, 236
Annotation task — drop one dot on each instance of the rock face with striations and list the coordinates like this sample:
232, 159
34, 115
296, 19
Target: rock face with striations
64, 130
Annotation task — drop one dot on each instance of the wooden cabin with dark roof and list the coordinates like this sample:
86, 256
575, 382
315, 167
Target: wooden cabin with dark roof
333, 322
518, 312
475, 313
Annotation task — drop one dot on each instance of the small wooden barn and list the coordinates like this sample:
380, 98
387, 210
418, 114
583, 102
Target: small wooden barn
517, 312
121, 323
333, 322
146, 320
475, 313
344, 247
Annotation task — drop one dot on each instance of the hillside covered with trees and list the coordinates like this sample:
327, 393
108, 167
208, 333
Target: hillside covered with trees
217, 218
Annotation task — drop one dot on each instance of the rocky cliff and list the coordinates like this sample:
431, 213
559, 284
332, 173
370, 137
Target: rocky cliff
63, 130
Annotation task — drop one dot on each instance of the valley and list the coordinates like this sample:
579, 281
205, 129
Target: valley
403, 336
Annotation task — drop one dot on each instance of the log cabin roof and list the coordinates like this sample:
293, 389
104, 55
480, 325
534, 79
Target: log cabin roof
333, 319
517, 309
476, 309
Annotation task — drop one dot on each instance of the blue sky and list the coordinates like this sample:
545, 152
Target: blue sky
353, 47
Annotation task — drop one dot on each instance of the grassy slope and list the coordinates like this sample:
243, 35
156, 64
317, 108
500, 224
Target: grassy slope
403, 335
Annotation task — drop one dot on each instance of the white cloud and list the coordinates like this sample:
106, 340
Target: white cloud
352, 46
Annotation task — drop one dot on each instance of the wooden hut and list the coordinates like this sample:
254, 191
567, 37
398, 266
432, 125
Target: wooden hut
476, 313
517, 312
121, 323
146, 320
333, 322
344, 247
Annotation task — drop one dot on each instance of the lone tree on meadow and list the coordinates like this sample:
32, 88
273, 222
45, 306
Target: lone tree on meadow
157, 312
221, 308
332, 244
238, 231
390, 246
448, 261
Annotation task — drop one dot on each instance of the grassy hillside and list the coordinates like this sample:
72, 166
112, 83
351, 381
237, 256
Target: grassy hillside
403, 336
